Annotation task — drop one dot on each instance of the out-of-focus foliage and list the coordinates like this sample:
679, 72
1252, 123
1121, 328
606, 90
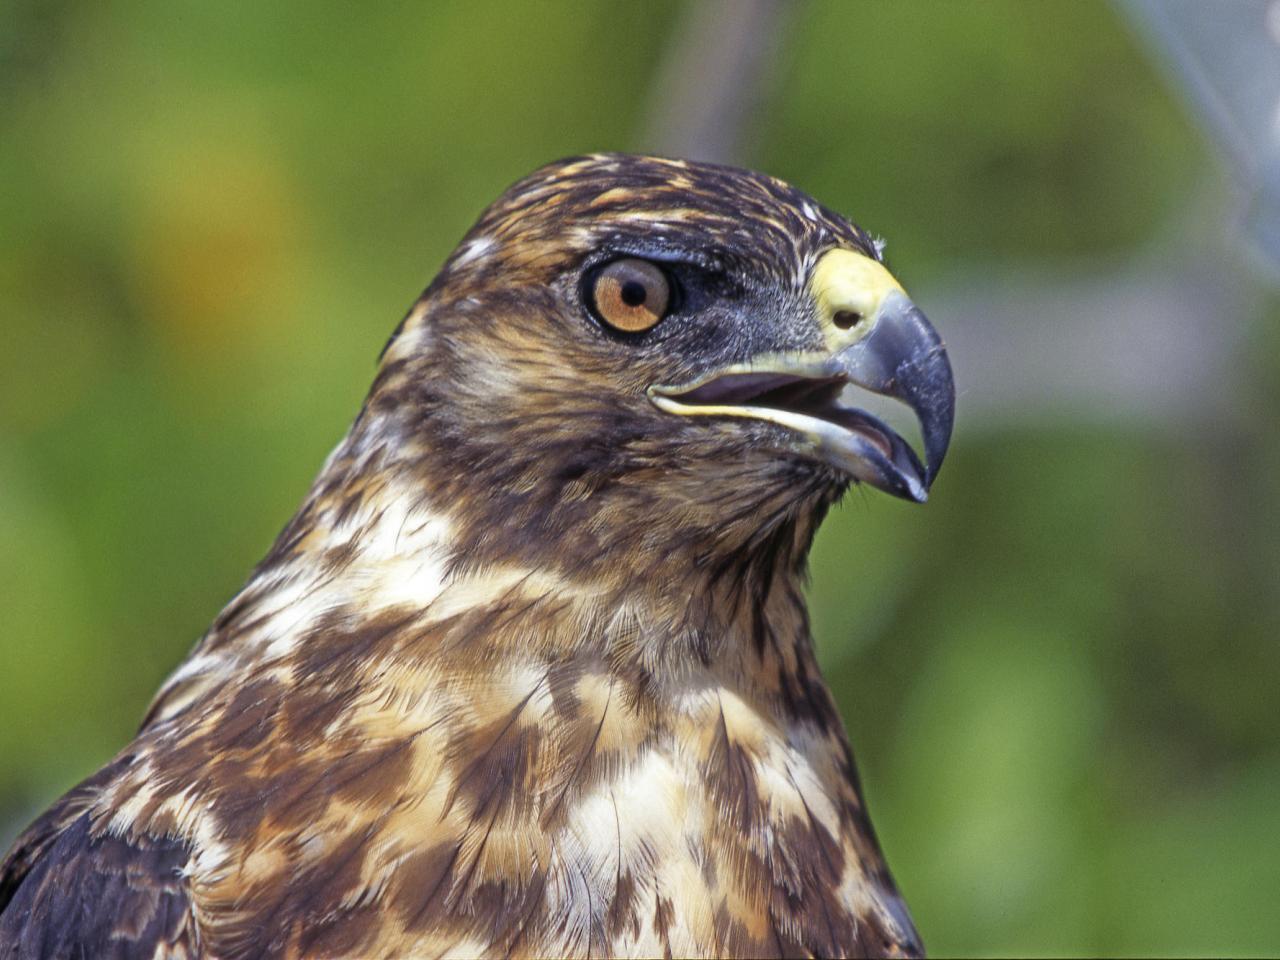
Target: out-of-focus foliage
1059, 676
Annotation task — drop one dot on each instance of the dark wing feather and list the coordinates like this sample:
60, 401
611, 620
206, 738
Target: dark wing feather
101, 895
69, 889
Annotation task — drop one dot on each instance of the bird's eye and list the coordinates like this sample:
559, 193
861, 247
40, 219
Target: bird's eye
630, 295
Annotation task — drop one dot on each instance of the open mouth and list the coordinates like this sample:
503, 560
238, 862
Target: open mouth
897, 354
809, 405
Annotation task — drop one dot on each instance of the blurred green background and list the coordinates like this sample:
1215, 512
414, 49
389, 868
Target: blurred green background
1060, 676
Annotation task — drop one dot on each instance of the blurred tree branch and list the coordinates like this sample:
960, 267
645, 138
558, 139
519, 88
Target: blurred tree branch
714, 77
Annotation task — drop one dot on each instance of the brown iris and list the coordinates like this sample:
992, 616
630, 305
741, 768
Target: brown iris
630, 295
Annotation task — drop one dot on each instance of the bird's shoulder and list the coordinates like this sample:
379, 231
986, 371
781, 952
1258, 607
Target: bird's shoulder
71, 886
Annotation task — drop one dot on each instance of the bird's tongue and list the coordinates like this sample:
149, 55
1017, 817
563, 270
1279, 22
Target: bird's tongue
753, 389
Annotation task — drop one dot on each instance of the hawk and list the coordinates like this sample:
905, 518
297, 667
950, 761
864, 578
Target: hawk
530, 673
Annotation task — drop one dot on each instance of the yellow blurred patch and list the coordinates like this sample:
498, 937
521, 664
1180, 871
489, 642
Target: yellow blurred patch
55, 342
216, 258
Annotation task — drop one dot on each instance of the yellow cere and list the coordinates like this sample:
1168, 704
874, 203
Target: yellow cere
844, 282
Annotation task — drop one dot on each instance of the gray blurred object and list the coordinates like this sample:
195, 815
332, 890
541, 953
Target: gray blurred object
1152, 345
1225, 57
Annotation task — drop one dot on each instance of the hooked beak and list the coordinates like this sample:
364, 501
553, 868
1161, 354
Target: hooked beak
879, 341
903, 357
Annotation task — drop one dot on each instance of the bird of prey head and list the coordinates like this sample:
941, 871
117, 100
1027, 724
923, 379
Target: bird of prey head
529, 672
653, 355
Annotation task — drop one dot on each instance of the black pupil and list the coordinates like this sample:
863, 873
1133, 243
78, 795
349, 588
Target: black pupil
633, 293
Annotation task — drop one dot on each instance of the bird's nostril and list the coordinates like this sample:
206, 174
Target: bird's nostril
847, 319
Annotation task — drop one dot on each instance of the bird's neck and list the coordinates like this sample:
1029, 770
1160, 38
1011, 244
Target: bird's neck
624, 584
